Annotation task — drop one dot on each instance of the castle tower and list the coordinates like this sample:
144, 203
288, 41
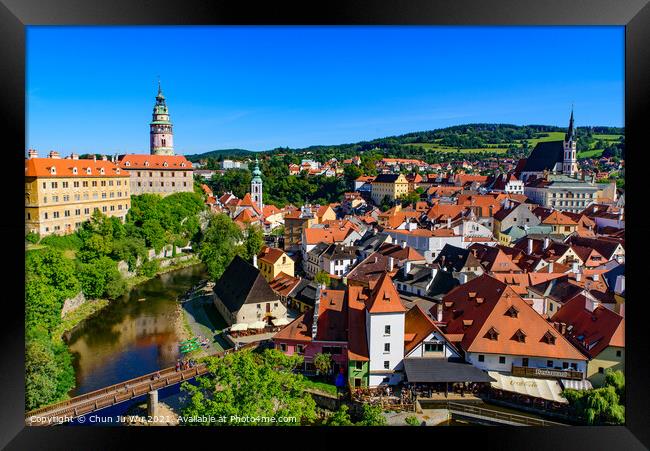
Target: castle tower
570, 163
161, 135
256, 186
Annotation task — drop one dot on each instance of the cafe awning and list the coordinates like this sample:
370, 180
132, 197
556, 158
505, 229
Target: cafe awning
280, 322
583, 384
548, 389
238, 327
257, 325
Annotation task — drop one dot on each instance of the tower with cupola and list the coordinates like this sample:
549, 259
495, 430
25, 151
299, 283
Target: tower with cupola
256, 186
570, 162
160, 129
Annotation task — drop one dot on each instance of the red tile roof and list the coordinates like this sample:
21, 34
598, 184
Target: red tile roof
142, 161
384, 297
486, 301
63, 167
592, 332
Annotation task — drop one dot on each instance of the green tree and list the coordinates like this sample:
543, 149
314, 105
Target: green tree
323, 363
410, 199
412, 421
372, 416
101, 278
617, 380
149, 268
322, 277
32, 237
340, 418
220, 244
253, 242
248, 384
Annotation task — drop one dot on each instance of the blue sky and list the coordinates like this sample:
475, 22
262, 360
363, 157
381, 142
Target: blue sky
92, 89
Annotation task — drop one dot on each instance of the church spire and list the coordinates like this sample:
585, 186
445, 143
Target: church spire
570, 136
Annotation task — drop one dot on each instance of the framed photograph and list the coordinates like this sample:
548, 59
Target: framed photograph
378, 217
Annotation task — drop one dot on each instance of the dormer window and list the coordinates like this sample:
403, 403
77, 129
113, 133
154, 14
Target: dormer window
492, 334
519, 336
128, 163
88, 171
74, 171
182, 165
101, 170
146, 163
512, 312
53, 170
548, 338
165, 164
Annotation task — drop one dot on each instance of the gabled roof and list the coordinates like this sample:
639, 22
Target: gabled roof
544, 157
332, 316
384, 297
370, 270
271, 254
493, 258
298, 330
418, 324
283, 284
242, 283
592, 332
482, 305
400, 253
386, 178
456, 258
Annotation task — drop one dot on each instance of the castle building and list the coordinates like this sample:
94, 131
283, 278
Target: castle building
62, 193
162, 172
160, 128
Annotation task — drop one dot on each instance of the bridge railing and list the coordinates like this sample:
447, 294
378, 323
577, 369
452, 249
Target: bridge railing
505, 416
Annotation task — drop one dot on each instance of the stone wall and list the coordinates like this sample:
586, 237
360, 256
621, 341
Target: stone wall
72, 304
175, 260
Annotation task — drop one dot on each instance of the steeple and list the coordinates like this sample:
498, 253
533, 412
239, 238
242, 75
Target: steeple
570, 163
570, 135
256, 185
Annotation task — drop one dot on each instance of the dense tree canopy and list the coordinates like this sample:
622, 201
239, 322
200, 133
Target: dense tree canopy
600, 405
253, 385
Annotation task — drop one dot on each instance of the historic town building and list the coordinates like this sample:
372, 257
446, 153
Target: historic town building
256, 186
61, 193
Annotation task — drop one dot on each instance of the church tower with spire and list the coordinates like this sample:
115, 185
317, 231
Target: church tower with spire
160, 129
570, 163
256, 186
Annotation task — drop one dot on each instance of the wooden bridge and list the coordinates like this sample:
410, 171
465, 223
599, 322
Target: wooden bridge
64, 411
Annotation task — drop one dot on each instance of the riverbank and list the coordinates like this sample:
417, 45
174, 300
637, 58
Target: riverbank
73, 318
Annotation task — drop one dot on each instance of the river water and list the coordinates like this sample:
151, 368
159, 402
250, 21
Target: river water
131, 336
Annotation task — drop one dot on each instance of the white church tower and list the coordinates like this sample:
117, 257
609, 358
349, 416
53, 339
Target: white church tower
570, 163
256, 186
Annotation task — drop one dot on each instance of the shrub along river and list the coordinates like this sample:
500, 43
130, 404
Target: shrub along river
135, 334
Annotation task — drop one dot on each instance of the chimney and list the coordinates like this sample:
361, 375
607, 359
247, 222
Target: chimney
550, 267
547, 242
439, 312
403, 244
578, 276
255, 260
391, 262
619, 287
53, 154
530, 246
74, 156
462, 278
449, 223
563, 328
32, 153
407, 267
94, 157
574, 267
104, 158
596, 277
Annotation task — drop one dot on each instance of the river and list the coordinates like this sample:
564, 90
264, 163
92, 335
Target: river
131, 336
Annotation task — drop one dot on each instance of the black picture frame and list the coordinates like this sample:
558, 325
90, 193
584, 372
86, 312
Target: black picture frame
16, 14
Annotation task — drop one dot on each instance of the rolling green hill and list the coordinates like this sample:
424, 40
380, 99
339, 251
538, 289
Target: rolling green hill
479, 140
